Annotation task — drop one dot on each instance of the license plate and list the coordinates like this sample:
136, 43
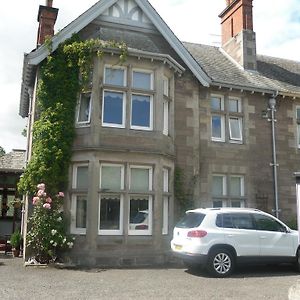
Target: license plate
178, 247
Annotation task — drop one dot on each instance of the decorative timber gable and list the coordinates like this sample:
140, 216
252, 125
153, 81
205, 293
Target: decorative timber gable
127, 12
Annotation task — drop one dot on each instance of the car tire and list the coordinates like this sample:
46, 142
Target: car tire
220, 263
297, 265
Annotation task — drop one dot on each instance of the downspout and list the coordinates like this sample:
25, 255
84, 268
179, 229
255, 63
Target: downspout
274, 164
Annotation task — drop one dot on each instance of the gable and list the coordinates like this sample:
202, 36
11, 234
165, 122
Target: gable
138, 13
127, 12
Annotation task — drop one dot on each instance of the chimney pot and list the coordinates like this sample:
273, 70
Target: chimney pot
49, 3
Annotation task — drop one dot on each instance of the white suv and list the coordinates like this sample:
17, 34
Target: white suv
220, 238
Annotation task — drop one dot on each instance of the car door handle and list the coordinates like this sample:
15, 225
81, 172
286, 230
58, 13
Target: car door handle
263, 237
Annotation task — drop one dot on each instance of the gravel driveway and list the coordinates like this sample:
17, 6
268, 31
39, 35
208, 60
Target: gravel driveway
19, 282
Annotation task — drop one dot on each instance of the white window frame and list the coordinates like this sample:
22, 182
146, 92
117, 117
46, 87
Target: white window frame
116, 68
114, 125
150, 169
166, 108
240, 122
113, 165
150, 128
74, 229
222, 138
150, 209
84, 123
121, 220
74, 177
165, 215
146, 72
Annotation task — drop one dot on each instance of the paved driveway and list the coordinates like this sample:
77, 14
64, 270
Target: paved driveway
18, 282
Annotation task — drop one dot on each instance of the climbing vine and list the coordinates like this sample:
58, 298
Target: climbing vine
182, 194
58, 89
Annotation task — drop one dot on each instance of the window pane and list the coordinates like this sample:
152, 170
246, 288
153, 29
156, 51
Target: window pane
217, 203
114, 76
298, 127
166, 86
82, 177
113, 108
235, 129
216, 123
139, 213
267, 224
141, 80
166, 180
84, 108
81, 211
10, 199
165, 215
216, 103
110, 213
111, 177
233, 105
298, 113
217, 186
139, 179
166, 118
236, 204
236, 186
141, 110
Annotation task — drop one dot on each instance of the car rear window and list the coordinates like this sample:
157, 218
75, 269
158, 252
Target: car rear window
191, 220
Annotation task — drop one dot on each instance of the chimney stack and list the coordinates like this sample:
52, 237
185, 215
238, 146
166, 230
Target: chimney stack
238, 37
46, 17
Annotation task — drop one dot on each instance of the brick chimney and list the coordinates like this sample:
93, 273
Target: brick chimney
46, 17
238, 37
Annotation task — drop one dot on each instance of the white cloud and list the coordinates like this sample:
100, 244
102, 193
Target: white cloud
276, 23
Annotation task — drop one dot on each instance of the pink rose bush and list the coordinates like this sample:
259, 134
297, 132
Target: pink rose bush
47, 238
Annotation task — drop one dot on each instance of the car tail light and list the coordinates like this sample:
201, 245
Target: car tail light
141, 227
197, 233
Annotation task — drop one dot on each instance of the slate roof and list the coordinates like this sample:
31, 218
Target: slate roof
273, 74
13, 161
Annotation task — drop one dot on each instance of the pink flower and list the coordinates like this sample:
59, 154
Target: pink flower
61, 194
49, 200
47, 205
41, 193
35, 200
41, 186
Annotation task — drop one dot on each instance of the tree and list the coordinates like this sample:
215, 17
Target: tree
2, 151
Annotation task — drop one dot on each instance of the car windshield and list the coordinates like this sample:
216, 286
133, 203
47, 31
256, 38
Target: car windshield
191, 220
138, 218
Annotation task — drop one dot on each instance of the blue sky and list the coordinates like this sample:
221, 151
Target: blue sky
276, 23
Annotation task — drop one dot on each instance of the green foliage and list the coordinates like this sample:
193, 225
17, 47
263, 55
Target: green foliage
292, 224
58, 89
16, 240
2, 151
47, 237
183, 198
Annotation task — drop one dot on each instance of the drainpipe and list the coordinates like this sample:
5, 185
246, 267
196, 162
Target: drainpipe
274, 164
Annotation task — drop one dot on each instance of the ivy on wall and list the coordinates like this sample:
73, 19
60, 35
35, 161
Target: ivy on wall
57, 93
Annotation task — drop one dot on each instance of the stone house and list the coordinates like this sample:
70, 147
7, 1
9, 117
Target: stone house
224, 120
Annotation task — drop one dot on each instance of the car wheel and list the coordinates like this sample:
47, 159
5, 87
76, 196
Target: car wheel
220, 263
